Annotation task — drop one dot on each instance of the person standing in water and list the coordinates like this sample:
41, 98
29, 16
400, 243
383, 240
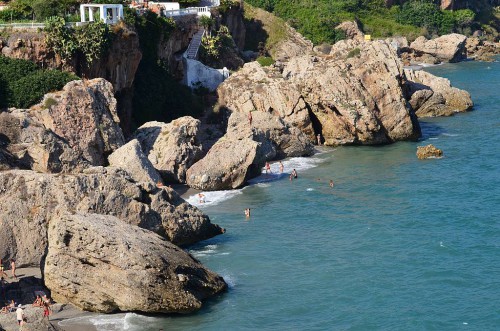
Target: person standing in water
281, 167
331, 183
268, 168
294, 173
247, 212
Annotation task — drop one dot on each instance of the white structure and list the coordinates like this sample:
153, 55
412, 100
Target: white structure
109, 14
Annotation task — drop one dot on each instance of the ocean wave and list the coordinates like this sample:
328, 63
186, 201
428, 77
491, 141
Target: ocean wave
115, 322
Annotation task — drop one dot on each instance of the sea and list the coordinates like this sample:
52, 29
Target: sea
397, 244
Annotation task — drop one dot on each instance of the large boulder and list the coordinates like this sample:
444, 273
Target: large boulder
434, 96
84, 114
447, 48
282, 139
28, 201
227, 165
29, 145
351, 30
100, 264
172, 148
130, 158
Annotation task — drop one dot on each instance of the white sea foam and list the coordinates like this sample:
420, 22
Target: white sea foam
228, 278
205, 251
298, 163
450, 134
310, 189
115, 322
212, 197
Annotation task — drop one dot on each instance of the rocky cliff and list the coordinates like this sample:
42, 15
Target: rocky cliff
352, 96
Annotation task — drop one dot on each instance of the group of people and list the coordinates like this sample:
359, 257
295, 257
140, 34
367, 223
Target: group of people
43, 302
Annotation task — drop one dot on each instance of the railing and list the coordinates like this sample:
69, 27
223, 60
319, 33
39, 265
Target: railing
194, 45
180, 12
32, 25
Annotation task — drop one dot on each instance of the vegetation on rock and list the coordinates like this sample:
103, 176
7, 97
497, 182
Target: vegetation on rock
23, 84
317, 19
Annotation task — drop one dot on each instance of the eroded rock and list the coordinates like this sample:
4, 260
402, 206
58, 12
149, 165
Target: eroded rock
100, 264
28, 201
172, 148
429, 151
447, 48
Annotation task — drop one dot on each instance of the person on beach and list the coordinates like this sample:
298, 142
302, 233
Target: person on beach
38, 301
281, 167
268, 167
2, 272
318, 137
46, 311
250, 118
20, 315
6, 309
331, 183
13, 268
201, 197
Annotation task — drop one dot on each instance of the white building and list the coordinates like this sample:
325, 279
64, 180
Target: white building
108, 13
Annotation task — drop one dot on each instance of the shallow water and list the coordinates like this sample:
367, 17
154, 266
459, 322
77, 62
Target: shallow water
397, 244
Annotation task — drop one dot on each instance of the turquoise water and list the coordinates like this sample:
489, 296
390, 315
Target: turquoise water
397, 244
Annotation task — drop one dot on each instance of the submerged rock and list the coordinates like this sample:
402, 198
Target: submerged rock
429, 151
29, 200
100, 264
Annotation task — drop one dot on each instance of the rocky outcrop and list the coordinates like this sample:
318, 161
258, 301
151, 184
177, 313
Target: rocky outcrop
351, 30
130, 158
172, 148
278, 139
447, 48
84, 114
228, 165
29, 144
482, 50
432, 96
352, 96
100, 264
234, 20
429, 151
29, 200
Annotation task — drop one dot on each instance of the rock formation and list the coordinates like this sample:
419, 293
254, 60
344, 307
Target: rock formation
84, 114
241, 153
447, 48
28, 144
100, 264
351, 30
429, 151
130, 158
228, 165
352, 96
434, 96
172, 148
28, 201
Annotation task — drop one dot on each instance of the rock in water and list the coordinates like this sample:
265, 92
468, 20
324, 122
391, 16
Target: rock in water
447, 48
429, 151
28, 201
100, 264
434, 96
228, 165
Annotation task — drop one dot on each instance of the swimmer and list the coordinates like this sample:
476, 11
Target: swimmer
268, 167
331, 183
247, 212
294, 173
201, 197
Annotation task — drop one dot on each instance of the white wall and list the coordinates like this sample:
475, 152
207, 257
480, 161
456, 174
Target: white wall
195, 72
169, 5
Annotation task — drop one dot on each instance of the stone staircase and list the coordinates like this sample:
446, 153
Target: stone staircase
194, 45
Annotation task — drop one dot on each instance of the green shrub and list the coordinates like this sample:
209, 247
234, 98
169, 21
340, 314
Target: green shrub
265, 61
353, 52
30, 89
